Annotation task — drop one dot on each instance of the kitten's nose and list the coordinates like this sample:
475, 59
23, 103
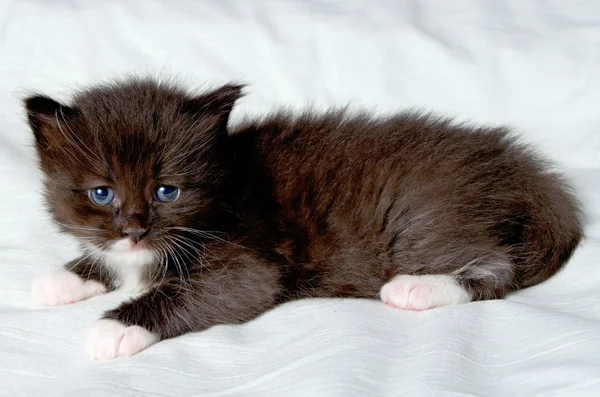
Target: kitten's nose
134, 233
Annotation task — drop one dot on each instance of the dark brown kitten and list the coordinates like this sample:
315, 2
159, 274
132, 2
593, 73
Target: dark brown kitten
216, 228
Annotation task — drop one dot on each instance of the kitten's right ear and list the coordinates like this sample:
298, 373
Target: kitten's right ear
43, 114
217, 103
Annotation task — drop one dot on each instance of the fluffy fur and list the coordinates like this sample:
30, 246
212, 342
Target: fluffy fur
413, 209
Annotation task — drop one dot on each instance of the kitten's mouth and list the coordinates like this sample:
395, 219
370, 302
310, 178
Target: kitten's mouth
127, 245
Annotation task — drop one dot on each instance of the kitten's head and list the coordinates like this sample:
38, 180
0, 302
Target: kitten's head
128, 167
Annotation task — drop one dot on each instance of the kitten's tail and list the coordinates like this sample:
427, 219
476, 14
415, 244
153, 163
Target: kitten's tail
554, 231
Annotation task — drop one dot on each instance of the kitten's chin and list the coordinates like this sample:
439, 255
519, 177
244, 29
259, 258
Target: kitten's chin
123, 250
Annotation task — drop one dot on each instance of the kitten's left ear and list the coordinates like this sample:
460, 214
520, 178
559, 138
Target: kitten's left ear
218, 103
43, 114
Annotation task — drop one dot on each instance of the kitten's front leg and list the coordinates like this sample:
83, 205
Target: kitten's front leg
78, 280
224, 296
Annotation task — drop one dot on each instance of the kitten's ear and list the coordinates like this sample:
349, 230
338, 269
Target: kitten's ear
45, 116
219, 103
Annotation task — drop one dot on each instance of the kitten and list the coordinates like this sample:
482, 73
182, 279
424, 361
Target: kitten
216, 227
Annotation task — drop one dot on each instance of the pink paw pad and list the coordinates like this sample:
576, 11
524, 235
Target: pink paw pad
423, 292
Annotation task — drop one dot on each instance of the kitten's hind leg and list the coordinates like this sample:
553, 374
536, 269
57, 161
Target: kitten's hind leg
478, 280
423, 292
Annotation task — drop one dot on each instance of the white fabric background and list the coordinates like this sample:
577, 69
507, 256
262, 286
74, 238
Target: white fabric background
531, 64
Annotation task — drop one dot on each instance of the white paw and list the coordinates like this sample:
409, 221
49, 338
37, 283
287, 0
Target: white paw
110, 339
64, 287
423, 292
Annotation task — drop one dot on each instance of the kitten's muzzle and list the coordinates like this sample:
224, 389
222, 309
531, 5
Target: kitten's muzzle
134, 233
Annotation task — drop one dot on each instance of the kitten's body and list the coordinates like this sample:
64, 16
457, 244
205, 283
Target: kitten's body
416, 210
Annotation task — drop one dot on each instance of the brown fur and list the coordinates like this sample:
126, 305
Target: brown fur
309, 205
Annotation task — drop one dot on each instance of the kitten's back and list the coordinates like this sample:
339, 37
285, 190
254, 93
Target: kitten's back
428, 194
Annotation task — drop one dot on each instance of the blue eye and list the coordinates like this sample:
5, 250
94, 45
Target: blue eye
102, 195
167, 194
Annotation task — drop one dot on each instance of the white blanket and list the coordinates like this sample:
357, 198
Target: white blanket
532, 64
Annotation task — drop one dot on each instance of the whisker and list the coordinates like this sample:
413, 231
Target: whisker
176, 259
82, 228
208, 235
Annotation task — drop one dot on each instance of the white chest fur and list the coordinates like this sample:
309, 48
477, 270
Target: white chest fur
127, 266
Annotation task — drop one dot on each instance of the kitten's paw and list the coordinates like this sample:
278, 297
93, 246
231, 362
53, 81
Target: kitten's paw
110, 339
423, 292
64, 287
